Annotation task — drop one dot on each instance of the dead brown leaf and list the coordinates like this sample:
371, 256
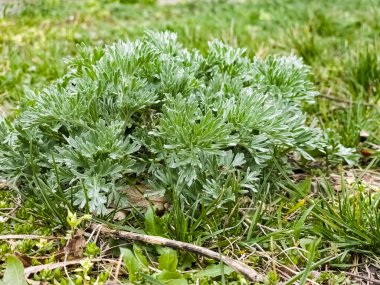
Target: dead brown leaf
140, 196
3, 184
75, 246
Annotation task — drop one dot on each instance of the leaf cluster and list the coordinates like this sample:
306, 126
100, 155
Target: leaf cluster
150, 111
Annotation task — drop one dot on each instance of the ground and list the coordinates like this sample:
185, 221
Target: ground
321, 225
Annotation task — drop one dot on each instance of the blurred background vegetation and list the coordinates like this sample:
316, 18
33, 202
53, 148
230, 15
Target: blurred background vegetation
338, 39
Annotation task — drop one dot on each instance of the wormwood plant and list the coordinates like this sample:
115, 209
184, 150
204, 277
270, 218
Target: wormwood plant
150, 112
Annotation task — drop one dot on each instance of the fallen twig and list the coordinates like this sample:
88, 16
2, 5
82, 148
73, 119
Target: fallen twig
6, 237
345, 101
362, 277
51, 266
118, 269
238, 266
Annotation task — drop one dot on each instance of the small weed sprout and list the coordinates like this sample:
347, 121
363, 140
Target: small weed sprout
74, 222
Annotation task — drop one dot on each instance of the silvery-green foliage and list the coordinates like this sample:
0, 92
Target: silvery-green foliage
151, 111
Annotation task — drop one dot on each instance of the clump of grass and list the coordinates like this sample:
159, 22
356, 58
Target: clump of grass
322, 24
306, 44
350, 218
363, 74
347, 217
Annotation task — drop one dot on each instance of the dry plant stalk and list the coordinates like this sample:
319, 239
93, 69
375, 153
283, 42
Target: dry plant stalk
236, 265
